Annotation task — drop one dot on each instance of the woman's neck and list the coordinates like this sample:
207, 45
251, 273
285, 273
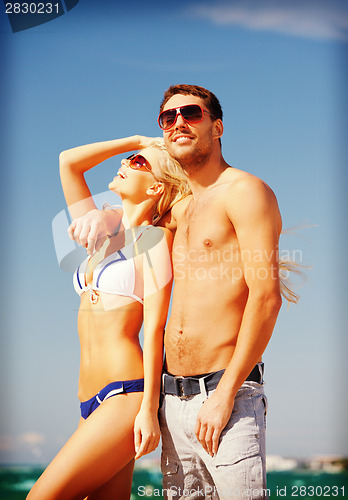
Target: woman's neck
136, 215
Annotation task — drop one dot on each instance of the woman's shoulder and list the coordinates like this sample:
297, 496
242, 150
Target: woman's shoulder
152, 235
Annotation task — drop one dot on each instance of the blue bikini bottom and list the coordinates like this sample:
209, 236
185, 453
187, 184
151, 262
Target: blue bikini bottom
87, 407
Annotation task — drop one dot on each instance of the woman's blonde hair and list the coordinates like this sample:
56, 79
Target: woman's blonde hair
169, 172
287, 267
290, 268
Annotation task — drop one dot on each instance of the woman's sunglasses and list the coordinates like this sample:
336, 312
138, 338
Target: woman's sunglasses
191, 113
137, 161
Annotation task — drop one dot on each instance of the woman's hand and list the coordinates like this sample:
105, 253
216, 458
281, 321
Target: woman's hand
146, 142
146, 432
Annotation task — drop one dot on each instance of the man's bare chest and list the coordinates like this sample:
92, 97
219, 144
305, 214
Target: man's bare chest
204, 227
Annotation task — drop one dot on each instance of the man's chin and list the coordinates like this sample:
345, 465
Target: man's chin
180, 150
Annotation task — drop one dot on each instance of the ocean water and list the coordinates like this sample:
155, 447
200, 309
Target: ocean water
16, 481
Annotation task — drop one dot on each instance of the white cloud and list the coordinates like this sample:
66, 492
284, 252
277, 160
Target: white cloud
10, 442
328, 21
31, 438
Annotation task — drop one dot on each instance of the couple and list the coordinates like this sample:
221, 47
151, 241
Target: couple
226, 226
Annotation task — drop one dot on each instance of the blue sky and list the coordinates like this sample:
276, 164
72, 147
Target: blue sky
98, 73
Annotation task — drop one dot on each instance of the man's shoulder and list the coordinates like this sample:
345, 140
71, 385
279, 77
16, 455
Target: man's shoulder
180, 207
241, 184
247, 197
170, 219
177, 210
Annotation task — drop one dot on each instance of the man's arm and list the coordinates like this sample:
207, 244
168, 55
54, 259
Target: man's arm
92, 229
253, 210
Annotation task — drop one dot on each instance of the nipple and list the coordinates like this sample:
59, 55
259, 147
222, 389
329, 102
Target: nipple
207, 243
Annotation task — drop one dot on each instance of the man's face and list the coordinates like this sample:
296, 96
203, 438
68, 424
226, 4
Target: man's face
190, 144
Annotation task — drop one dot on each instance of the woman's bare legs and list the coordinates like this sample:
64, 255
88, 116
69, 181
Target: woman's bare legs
119, 487
99, 454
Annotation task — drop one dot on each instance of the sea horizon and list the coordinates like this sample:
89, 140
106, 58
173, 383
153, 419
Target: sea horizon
16, 479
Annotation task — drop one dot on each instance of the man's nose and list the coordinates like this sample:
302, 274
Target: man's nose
180, 122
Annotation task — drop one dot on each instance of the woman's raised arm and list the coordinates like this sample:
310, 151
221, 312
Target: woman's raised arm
90, 230
73, 163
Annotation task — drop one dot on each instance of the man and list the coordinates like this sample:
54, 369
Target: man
226, 300
225, 303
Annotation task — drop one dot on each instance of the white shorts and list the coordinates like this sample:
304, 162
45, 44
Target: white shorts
237, 471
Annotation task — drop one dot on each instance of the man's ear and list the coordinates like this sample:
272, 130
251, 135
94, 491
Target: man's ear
218, 129
155, 189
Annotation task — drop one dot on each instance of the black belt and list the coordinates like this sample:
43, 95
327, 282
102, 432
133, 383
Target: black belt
184, 387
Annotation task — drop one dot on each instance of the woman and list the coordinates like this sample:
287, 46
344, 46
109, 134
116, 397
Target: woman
126, 281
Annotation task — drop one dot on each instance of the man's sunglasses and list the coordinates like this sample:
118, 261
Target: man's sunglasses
191, 113
137, 161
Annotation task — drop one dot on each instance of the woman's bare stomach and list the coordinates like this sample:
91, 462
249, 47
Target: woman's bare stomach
110, 348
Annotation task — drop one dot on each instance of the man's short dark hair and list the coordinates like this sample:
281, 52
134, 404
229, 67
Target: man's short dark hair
210, 100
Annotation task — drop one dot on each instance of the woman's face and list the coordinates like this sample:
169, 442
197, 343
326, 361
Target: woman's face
134, 182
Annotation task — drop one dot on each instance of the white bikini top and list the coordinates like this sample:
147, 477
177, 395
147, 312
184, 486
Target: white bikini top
115, 274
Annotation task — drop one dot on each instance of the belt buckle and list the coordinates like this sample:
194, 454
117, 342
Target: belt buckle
178, 383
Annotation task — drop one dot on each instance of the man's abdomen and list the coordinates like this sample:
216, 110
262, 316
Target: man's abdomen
204, 324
